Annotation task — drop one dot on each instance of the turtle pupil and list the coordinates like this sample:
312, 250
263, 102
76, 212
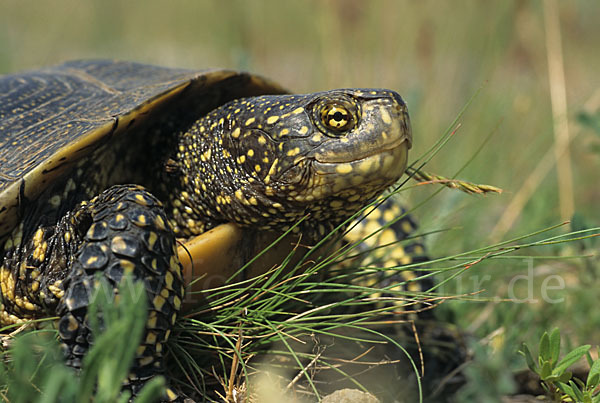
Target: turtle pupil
338, 116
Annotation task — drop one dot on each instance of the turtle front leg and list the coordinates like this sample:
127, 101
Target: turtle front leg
123, 231
392, 247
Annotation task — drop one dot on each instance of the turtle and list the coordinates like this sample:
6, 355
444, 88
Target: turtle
105, 165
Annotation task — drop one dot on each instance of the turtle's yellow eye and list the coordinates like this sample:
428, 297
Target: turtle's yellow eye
336, 117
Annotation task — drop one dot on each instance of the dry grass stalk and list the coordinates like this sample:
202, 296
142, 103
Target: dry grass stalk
558, 98
464, 186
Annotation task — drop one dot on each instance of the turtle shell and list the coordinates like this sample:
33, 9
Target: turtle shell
52, 118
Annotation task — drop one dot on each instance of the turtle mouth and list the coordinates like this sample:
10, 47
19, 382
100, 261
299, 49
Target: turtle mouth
387, 162
328, 160
366, 175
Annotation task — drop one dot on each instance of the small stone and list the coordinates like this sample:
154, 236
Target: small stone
350, 396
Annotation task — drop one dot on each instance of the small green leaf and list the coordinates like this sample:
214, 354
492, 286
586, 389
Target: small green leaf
554, 345
579, 383
589, 358
528, 358
578, 394
571, 358
565, 376
566, 389
544, 348
594, 375
593, 381
546, 370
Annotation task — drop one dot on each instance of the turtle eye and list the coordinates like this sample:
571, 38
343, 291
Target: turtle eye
337, 116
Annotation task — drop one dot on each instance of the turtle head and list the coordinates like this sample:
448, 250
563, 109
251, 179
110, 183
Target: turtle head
273, 159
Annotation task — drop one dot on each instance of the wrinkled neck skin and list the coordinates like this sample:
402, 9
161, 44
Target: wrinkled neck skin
215, 189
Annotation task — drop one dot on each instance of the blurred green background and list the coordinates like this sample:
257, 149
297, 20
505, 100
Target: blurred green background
437, 54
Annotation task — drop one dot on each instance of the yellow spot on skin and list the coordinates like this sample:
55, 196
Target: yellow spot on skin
118, 244
160, 223
293, 152
406, 226
158, 302
127, 266
374, 214
146, 361
249, 121
72, 325
272, 119
152, 238
385, 116
366, 166
250, 153
140, 350
58, 293
170, 394
37, 238
39, 252
169, 281
284, 132
303, 130
141, 200
298, 110
257, 168
388, 215
398, 253
236, 133
253, 201
343, 168
387, 236
353, 198
262, 140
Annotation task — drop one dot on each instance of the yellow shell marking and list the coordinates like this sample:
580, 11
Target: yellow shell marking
343, 168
